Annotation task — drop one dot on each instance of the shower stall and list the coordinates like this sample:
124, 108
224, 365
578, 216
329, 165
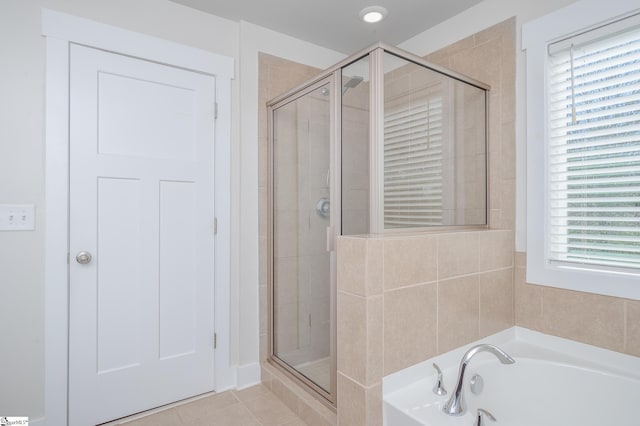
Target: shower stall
381, 142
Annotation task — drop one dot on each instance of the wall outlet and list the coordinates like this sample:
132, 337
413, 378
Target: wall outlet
17, 217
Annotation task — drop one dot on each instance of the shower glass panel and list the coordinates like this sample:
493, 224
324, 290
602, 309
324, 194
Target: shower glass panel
301, 214
355, 148
434, 148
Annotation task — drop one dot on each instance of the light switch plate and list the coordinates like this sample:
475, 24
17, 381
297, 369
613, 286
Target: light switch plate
17, 217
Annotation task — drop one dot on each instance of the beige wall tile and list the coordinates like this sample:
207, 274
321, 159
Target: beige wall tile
496, 301
495, 219
264, 347
287, 274
410, 320
461, 45
509, 204
352, 336
373, 410
585, 317
457, 254
409, 261
633, 327
486, 63
498, 32
495, 249
527, 301
508, 156
313, 418
520, 259
458, 308
375, 344
266, 377
284, 394
264, 323
508, 100
352, 402
441, 57
351, 266
360, 337
263, 260
375, 266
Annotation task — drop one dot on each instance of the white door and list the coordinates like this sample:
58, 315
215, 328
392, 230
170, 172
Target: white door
142, 206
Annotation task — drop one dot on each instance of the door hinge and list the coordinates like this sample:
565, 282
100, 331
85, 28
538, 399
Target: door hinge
215, 226
215, 110
215, 340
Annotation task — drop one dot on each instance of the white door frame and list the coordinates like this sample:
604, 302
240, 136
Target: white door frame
60, 30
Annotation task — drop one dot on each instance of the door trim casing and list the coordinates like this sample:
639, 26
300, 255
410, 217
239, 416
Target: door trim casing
60, 31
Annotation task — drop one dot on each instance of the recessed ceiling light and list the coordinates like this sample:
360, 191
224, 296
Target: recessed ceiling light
373, 14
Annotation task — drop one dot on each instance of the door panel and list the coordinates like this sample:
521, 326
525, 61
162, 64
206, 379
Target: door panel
141, 202
118, 286
127, 131
178, 283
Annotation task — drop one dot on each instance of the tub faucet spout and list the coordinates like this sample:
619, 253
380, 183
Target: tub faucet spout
456, 405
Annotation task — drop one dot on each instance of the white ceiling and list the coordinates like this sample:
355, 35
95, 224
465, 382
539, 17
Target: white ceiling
336, 24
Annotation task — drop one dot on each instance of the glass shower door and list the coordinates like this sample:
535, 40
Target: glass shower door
301, 214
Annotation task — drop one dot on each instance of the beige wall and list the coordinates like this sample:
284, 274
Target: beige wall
604, 321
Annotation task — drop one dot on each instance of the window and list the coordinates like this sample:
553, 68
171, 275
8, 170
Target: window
583, 148
593, 91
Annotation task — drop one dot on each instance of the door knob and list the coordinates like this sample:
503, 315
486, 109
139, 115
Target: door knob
83, 257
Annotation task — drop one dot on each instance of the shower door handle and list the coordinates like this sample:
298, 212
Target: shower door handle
330, 239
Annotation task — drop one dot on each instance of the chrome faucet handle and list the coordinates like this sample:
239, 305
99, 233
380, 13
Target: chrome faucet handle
439, 389
456, 406
480, 417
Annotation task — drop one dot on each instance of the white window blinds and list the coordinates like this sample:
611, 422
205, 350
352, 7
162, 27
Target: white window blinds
413, 162
594, 149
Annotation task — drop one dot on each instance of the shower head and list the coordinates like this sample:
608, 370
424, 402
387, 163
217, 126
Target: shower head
351, 83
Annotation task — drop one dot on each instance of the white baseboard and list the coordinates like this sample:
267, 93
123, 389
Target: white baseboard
248, 375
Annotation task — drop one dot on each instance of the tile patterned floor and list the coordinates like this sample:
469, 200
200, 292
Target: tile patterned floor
255, 406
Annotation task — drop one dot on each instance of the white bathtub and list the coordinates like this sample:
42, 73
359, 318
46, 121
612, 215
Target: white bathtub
554, 382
